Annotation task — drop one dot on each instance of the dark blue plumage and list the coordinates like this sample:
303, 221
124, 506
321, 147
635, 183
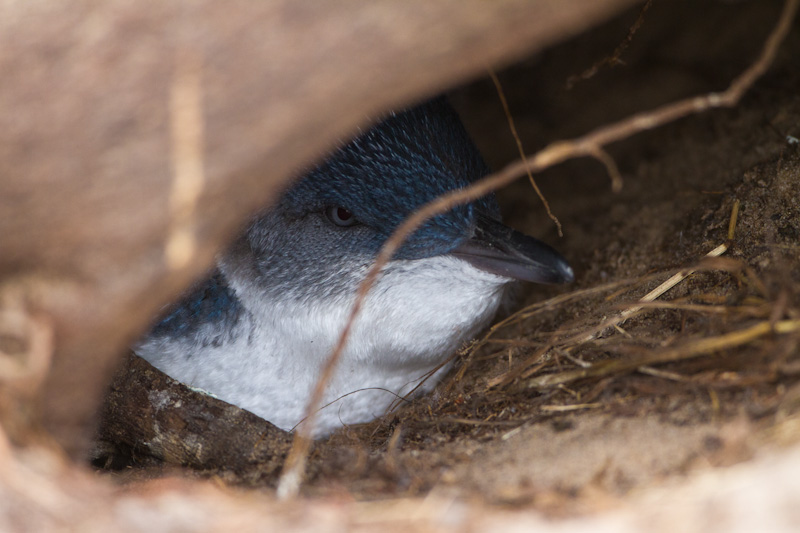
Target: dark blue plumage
395, 168
209, 302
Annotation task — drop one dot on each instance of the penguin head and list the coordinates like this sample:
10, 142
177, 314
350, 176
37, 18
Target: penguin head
327, 228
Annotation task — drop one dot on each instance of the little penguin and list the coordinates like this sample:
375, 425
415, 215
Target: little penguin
258, 330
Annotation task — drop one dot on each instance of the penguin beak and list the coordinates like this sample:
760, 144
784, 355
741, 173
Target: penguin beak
498, 249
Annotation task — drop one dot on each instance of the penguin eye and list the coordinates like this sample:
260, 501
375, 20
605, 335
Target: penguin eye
340, 216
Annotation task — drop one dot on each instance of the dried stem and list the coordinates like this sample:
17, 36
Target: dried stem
614, 58
687, 351
511, 126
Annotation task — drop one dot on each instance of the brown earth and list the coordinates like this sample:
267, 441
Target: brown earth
495, 429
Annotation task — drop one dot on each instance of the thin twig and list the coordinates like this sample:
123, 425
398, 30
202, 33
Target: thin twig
397, 399
539, 307
558, 152
655, 293
650, 371
634, 309
614, 58
687, 351
511, 126
567, 408
569, 337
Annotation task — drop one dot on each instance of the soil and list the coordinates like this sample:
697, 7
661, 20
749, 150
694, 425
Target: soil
495, 429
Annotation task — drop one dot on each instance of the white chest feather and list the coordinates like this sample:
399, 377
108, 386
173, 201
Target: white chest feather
415, 317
